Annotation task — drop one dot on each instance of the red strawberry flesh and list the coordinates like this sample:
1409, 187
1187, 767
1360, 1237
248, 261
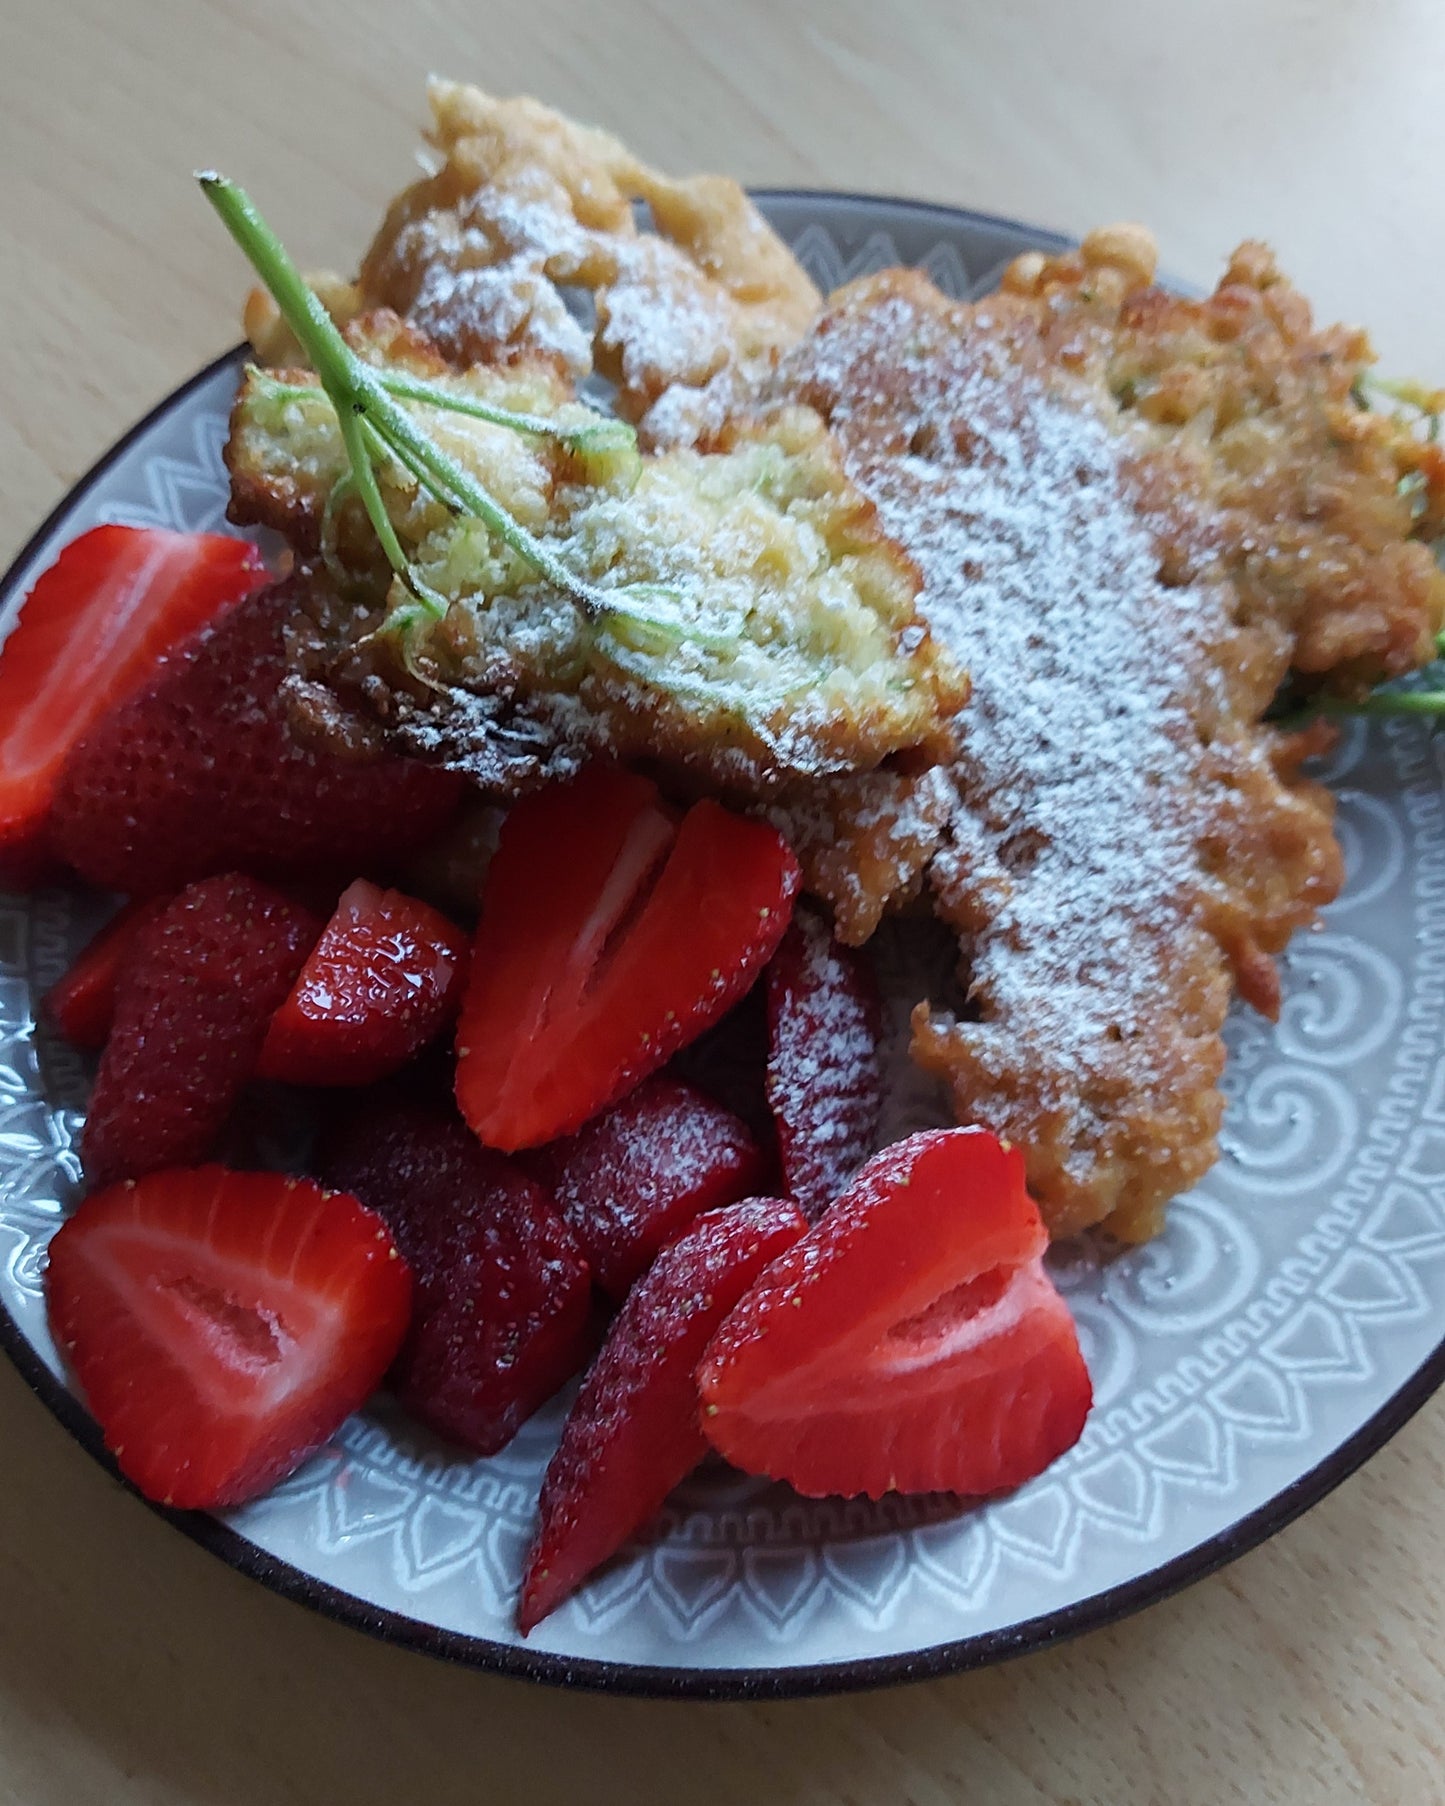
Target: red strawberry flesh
192, 1007
203, 772
82, 1005
824, 1083
636, 1176
93, 630
384, 979
609, 938
632, 1434
911, 1342
223, 1325
503, 1295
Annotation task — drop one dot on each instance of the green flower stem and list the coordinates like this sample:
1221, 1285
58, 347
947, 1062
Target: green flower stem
358, 396
353, 437
1381, 703
600, 430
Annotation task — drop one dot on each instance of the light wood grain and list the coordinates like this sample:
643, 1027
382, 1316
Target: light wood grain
134, 1667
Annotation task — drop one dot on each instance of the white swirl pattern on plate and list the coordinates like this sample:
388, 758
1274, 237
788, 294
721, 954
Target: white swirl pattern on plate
1288, 1298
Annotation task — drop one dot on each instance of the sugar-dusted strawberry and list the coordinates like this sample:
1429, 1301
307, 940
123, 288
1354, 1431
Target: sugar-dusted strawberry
93, 630
81, 1005
911, 1342
824, 1084
632, 1433
192, 1006
503, 1295
637, 1175
223, 1325
611, 935
203, 771
384, 979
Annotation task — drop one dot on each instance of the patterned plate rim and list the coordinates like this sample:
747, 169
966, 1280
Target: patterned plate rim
659, 1681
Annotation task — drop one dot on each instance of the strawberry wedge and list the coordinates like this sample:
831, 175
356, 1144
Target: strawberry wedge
610, 936
384, 980
911, 1342
81, 1006
193, 1003
91, 632
632, 1433
223, 1325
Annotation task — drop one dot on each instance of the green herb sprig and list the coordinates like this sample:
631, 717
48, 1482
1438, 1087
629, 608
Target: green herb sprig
375, 428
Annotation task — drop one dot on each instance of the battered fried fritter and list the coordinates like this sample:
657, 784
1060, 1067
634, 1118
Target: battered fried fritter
525, 204
1136, 517
758, 627
1137, 514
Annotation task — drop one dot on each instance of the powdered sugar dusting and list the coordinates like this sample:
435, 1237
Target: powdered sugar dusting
1071, 866
824, 1082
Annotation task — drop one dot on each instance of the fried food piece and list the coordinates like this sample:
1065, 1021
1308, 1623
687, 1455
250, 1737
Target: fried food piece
525, 204
1138, 514
753, 624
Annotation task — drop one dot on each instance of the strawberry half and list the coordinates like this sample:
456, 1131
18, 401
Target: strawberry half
824, 1083
202, 772
636, 1176
384, 979
503, 1295
82, 1005
192, 1006
92, 631
632, 1433
911, 1342
223, 1325
610, 936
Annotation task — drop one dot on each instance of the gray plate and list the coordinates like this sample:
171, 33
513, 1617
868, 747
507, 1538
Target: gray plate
1284, 1325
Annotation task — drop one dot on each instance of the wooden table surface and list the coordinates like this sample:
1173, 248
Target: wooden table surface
134, 1667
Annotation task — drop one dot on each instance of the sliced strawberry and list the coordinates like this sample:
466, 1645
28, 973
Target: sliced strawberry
192, 1007
503, 1294
92, 631
610, 937
384, 979
824, 1083
911, 1342
203, 772
223, 1325
632, 1433
82, 1005
636, 1176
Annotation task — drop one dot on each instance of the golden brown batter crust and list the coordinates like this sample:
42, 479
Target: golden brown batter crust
524, 204
1134, 515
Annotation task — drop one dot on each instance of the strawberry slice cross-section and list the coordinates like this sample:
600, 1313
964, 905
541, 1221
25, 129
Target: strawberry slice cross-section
610, 936
911, 1342
223, 1325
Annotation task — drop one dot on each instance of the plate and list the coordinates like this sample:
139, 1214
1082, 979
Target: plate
1281, 1329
